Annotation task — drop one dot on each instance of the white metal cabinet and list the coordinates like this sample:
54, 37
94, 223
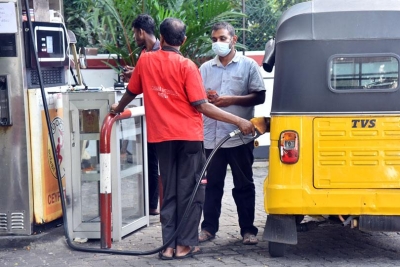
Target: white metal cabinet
84, 115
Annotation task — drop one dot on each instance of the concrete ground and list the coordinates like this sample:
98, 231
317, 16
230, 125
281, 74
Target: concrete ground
330, 244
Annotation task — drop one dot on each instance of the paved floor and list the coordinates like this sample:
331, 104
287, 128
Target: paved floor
329, 245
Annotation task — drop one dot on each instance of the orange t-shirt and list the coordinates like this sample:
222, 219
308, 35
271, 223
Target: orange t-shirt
172, 86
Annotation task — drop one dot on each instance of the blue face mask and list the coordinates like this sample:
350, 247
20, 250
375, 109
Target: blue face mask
221, 49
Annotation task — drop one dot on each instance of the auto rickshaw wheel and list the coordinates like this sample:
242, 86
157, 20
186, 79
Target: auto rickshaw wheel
276, 249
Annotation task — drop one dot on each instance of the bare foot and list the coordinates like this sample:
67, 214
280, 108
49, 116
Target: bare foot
186, 251
168, 252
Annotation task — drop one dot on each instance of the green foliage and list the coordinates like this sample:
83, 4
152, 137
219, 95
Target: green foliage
263, 16
86, 19
108, 24
119, 21
282, 5
261, 23
199, 19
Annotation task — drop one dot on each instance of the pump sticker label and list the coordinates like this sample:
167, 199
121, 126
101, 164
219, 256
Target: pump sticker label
57, 129
8, 19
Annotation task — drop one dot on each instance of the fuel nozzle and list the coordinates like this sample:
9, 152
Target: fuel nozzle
261, 125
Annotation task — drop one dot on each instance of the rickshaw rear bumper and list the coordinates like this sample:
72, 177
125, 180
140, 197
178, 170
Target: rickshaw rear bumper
304, 199
310, 201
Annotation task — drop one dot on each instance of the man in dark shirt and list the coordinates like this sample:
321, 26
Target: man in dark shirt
143, 28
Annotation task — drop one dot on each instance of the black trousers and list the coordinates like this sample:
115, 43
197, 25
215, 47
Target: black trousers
152, 168
181, 163
240, 159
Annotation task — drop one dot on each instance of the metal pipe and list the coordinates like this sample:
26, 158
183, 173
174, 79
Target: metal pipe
105, 171
348, 220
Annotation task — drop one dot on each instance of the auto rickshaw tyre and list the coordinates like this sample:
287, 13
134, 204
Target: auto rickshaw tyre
276, 250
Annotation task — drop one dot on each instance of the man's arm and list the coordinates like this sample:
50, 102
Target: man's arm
125, 100
128, 73
249, 100
211, 111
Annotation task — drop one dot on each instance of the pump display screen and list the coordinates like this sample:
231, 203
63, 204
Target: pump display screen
50, 43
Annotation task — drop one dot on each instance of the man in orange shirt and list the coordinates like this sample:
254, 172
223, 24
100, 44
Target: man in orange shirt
174, 100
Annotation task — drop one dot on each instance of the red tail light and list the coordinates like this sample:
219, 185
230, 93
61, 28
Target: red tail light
289, 147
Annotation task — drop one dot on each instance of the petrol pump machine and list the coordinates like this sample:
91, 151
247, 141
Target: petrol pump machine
29, 191
18, 75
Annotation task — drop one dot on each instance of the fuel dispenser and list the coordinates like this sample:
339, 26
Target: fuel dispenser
29, 191
15, 191
17, 74
51, 42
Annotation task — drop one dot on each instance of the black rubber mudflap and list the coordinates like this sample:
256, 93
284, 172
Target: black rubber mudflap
281, 229
380, 223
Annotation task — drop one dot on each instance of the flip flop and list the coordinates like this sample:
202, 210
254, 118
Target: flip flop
190, 254
161, 256
249, 239
205, 236
154, 212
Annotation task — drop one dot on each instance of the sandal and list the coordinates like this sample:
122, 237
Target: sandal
205, 236
250, 239
153, 212
193, 251
161, 256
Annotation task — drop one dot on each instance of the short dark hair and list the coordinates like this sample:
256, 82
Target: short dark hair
173, 31
144, 22
224, 25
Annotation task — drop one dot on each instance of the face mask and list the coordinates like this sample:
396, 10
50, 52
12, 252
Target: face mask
221, 49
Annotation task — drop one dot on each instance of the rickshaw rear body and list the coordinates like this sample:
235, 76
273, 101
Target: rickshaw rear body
335, 116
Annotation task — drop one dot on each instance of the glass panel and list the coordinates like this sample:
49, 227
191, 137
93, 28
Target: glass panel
132, 185
90, 180
89, 124
366, 72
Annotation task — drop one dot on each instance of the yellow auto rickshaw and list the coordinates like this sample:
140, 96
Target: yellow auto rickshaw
335, 118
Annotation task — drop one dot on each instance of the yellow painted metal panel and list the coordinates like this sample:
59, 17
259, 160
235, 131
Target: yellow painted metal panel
356, 153
46, 197
352, 170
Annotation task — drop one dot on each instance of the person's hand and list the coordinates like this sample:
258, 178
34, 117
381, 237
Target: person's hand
220, 101
246, 127
114, 109
211, 94
126, 75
